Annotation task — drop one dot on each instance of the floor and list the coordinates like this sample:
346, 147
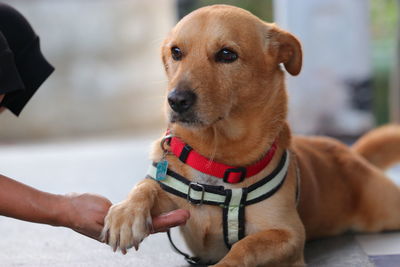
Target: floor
111, 167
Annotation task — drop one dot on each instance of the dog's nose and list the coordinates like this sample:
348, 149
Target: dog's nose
181, 100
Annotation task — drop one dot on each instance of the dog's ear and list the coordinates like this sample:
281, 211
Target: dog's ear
287, 49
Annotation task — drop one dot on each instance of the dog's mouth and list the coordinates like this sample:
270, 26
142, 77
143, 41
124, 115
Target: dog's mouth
186, 119
191, 120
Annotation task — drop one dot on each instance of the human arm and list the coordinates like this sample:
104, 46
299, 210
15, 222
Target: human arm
83, 213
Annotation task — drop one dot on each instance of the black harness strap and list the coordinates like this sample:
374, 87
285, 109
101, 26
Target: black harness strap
225, 218
233, 208
191, 260
242, 213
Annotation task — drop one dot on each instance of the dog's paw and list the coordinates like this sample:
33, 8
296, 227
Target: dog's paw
126, 225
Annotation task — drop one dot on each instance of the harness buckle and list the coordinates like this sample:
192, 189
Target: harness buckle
192, 186
234, 179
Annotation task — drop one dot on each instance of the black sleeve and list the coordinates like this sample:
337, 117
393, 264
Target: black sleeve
10, 80
24, 50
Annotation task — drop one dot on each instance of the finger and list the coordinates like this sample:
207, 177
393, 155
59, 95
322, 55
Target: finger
161, 230
92, 233
171, 219
98, 233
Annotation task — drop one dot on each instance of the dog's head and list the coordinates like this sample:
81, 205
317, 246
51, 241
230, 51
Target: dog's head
221, 60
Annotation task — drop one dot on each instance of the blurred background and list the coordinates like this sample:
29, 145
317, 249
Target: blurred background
109, 78
90, 126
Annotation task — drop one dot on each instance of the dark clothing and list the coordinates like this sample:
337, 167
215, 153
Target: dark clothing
23, 67
10, 80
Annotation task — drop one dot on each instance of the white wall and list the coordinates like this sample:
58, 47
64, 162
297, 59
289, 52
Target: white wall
336, 46
109, 76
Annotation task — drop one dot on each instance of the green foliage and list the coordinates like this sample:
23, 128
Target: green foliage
384, 24
260, 8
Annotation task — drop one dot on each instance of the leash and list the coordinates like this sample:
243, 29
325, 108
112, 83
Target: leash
189, 259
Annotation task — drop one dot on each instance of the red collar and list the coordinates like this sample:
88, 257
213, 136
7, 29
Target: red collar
229, 174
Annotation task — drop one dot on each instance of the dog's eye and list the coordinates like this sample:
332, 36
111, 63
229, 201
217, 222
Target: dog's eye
176, 53
226, 56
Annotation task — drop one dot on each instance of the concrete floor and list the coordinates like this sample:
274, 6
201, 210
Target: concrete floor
110, 168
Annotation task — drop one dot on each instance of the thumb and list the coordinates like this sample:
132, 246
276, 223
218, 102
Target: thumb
171, 219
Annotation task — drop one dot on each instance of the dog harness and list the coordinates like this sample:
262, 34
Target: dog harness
232, 201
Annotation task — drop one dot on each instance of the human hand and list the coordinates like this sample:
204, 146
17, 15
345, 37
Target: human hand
84, 213
163, 222
159, 223
171, 219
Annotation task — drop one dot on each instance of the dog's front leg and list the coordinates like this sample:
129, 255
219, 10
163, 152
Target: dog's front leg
129, 222
273, 247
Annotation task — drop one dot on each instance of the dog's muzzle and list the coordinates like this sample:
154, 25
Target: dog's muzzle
181, 100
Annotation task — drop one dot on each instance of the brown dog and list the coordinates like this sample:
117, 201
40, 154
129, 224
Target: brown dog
227, 100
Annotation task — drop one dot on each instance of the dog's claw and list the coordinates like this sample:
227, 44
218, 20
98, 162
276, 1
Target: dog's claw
132, 227
107, 238
136, 245
117, 244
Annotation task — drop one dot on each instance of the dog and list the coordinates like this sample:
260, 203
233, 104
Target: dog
226, 105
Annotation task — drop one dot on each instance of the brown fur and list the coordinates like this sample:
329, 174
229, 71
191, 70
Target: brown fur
381, 146
241, 109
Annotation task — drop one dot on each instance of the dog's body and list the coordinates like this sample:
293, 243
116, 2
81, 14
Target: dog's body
226, 61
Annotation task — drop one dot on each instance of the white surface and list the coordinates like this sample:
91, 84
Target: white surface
109, 168
380, 244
